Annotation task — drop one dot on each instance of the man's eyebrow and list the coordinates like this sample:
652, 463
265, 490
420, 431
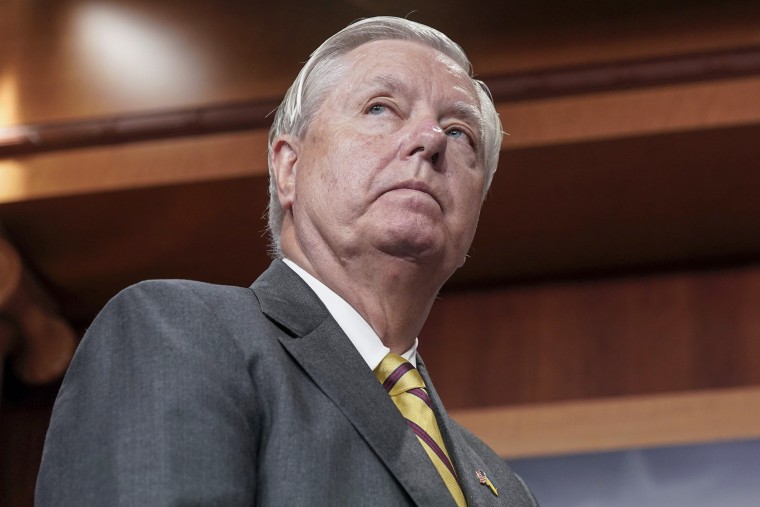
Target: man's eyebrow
469, 113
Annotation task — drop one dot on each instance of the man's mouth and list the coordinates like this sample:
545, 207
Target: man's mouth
415, 185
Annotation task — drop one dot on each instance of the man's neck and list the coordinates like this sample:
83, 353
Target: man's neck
393, 295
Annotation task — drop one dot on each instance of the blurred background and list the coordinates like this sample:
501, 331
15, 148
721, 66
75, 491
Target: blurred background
610, 302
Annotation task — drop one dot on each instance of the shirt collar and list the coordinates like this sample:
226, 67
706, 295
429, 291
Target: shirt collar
361, 334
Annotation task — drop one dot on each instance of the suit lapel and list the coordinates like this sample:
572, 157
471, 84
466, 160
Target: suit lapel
320, 347
466, 461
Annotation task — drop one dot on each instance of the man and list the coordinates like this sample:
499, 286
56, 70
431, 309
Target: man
187, 393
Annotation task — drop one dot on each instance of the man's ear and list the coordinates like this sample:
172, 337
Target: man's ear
284, 161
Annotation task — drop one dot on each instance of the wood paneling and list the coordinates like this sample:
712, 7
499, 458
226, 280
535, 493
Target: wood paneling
642, 112
617, 423
666, 201
592, 339
205, 52
128, 166
86, 249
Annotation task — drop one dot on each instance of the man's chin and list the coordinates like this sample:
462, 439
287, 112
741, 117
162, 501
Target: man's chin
413, 246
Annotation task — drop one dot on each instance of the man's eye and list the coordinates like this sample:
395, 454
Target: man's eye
457, 133
376, 109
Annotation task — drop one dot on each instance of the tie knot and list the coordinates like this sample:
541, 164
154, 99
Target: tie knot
398, 375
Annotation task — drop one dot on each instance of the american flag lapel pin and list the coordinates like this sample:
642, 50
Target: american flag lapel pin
485, 481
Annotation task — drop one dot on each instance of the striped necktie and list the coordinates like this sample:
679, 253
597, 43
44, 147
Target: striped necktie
407, 390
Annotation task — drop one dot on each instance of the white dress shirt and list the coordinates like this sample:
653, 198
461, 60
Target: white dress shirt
357, 329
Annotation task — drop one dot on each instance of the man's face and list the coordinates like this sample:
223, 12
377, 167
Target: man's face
392, 160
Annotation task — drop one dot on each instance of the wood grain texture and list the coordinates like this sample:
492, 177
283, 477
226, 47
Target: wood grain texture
619, 423
133, 165
213, 52
592, 339
632, 113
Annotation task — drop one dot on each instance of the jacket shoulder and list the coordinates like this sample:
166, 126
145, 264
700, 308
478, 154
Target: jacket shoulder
161, 299
168, 291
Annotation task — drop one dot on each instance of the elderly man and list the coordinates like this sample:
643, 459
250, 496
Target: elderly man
306, 388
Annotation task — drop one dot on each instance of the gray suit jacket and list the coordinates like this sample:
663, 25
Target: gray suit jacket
185, 393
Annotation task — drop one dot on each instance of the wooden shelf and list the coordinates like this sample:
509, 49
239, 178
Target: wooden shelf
618, 423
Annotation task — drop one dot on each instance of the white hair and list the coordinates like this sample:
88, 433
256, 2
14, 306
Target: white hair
306, 94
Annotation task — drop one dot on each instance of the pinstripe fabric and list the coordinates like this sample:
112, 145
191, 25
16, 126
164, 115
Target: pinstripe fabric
407, 390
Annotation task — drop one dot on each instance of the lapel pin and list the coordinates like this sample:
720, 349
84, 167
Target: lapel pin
485, 481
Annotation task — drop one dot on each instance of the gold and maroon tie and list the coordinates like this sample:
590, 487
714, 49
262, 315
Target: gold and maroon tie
407, 390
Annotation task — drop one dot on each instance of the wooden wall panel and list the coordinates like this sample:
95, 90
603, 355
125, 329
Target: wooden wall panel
145, 164
590, 339
627, 422
72, 59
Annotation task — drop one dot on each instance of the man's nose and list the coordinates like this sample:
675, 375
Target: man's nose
427, 140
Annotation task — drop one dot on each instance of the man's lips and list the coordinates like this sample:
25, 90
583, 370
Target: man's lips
416, 185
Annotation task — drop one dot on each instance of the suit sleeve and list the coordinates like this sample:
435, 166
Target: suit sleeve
156, 409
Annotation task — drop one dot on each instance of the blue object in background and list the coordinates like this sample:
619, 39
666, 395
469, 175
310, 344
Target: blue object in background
706, 475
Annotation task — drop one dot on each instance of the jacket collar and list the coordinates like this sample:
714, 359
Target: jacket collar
320, 347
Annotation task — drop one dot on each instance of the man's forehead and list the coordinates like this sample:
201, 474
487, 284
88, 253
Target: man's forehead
390, 64
392, 82
400, 50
